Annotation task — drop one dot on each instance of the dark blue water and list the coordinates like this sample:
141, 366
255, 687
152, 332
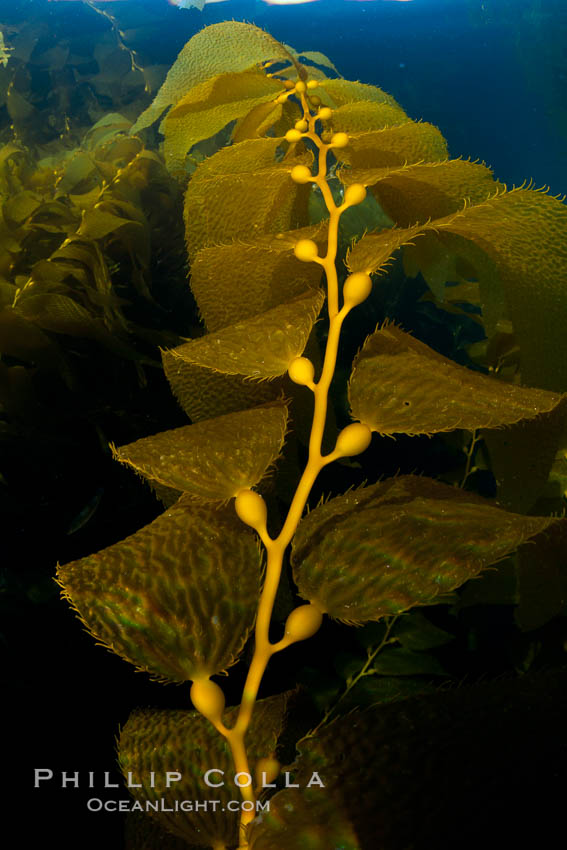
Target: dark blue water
491, 74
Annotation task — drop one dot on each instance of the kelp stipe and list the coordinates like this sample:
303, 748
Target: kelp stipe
180, 598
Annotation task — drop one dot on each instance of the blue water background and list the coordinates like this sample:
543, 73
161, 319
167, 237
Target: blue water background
456, 63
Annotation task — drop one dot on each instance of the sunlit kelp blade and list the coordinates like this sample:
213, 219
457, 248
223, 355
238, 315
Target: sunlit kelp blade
210, 375
401, 386
214, 459
257, 122
373, 252
366, 116
177, 599
427, 756
425, 191
383, 549
337, 93
394, 146
204, 393
209, 107
314, 57
240, 193
513, 241
154, 742
218, 49
236, 281
525, 233
261, 347
444, 259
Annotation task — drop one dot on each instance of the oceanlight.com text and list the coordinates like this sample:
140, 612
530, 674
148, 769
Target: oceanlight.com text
95, 804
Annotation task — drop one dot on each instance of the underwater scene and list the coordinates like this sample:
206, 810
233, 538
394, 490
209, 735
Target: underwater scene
283, 423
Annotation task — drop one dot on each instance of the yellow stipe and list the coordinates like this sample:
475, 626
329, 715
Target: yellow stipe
305, 620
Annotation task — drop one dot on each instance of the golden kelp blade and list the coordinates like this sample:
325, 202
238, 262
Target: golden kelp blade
236, 281
177, 599
426, 191
228, 46
404, 541
525, 232
365, 117
314, 57
212, 460
240, 193
337, 93
155, 742
258, 121
210, 375
401, 386
209, 107
394, 146
372, 253
261, 347
203, 393
514, 240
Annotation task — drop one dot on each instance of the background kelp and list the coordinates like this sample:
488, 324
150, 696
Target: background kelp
65, 72
92, 283
77, 237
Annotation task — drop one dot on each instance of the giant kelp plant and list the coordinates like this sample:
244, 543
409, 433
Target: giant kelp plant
190, 594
